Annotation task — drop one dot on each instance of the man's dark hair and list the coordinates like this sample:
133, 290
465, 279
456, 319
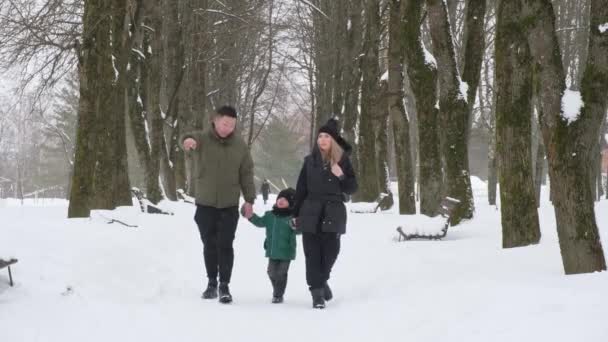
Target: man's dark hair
226, 111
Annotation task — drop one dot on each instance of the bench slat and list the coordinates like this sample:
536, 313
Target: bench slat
5, 263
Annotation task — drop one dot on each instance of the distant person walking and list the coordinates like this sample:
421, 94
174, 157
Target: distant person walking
265, 190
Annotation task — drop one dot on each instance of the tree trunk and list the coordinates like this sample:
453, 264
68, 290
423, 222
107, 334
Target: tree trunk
81, 194
381, 128
338, 41
489, 94
567, 143
368, 173
111, 180
139, 127
474, 40
399, 118
173, 76
352, 77
106, 115
323, 53
600, 189
224, 72
540, 171
180, 170
453, 111
492, 160
154, 53
137, 96
422, 74
121, 46
412, 116
196, 46
514, 87
492, 172
592, 170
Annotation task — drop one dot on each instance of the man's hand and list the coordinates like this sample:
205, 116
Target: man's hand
190, 144
337, 170
247, 210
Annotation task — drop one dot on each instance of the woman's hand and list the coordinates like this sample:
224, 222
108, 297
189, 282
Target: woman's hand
337, 170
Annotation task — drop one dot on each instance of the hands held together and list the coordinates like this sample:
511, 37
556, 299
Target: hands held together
247, 210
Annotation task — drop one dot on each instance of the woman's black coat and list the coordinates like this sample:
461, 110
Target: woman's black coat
320, 195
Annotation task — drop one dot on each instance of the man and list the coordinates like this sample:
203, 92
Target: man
223, 169
265, 190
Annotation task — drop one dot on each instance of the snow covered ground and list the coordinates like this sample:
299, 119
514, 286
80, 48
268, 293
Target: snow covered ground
86, 280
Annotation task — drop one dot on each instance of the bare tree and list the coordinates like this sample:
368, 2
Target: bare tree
39, 38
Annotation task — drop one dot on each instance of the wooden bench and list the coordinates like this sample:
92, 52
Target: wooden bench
446, 208
181, 194
383, 202
7, 264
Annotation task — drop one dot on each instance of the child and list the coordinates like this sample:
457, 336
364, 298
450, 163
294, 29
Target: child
280, 243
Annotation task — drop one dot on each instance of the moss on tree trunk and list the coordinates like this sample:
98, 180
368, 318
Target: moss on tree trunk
514, 88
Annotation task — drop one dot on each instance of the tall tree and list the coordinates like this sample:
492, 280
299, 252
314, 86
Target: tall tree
381, 122
107, 79
422, 73
172, 166
352, 74
100, 179
474, 41
153, 51
121, 49
194, 91
90, 54
453, 111
399, 118
368, 172
519, 216
569, 133
138, 104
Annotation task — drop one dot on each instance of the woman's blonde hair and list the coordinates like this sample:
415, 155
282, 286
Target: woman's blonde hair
335, 153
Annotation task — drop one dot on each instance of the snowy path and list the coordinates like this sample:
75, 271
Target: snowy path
144, 284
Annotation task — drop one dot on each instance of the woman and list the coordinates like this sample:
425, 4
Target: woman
326, 178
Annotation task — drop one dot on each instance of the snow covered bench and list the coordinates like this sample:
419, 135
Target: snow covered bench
147, 206
430, 228
181, 194
7, 264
